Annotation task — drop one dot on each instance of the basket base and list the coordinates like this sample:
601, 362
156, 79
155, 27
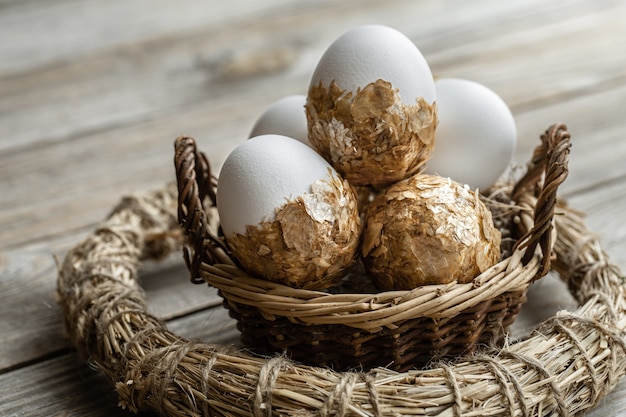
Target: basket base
411, 344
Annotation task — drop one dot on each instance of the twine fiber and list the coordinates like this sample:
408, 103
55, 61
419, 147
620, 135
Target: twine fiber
563, 367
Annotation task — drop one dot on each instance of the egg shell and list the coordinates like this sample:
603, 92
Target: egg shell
260, 175
284, 117
371, 52
476, 135
428, 230
286, 214
371, 108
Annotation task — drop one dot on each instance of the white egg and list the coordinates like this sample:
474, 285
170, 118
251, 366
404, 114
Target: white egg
371, 106
371, 52
476, 135
284, 117
286, 214
260, 175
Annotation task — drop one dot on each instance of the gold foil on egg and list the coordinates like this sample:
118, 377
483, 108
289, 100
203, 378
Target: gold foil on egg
311, 244
371, 137
428, 230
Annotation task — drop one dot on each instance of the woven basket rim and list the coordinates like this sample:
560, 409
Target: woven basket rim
372, 311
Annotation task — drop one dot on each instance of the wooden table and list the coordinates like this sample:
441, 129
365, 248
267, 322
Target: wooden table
92, 95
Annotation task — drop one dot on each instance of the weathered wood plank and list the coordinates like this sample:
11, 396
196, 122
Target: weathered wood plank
93, 94
613, 404
595, 123
44, 32
604, 206
51, 25
218, 119
116, 86
550, 57
31, 323
62, 386
67, 386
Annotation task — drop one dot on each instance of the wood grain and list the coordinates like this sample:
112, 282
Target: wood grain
65, 385
92, 95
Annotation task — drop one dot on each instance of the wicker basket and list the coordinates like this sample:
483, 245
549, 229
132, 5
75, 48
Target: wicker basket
565, 366
397, 329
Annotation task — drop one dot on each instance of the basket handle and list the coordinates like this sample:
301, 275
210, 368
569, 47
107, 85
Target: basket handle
550, 159
195, 184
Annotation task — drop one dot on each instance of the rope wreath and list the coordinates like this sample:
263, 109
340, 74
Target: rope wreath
564, 367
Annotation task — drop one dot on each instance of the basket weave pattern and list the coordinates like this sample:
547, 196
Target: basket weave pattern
398, 329
564, 367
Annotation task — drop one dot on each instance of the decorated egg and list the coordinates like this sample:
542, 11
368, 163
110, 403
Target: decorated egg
284, 117
371, 106
428, 230
476, 134
286, 214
